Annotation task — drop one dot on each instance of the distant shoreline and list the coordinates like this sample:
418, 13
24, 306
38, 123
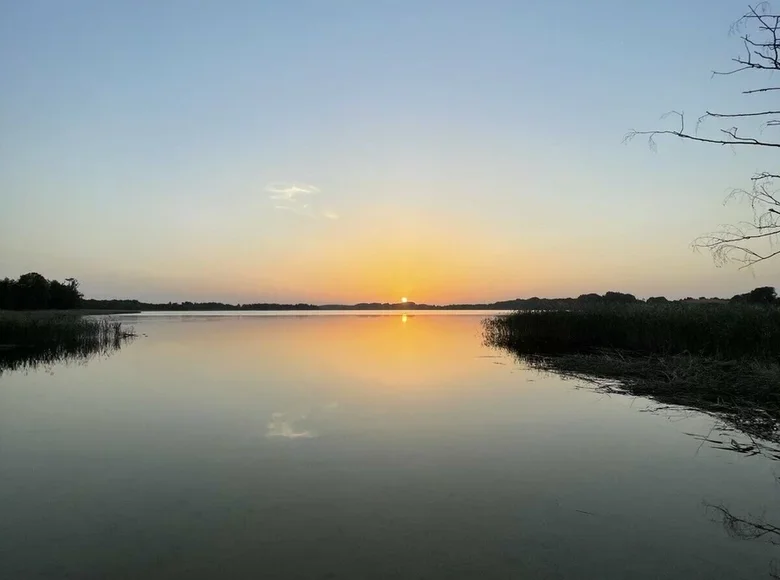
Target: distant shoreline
92, 306
70, 312
98, 312
533, 303
302, 310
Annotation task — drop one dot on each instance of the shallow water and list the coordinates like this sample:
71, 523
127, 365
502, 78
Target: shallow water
302, 446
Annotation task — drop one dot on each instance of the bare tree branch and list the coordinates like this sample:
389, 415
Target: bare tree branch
748, 242
731, 115
753, 91
734, 141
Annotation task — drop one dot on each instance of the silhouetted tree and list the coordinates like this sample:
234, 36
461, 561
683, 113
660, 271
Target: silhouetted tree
657, 300
7, 294
64, 296
619, 298
751, 241
33, 292
592, 297
762, 295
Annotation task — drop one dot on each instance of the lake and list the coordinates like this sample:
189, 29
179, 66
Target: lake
357, 446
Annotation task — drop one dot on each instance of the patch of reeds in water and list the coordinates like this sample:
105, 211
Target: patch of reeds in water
29, 339
723, 360
721, 331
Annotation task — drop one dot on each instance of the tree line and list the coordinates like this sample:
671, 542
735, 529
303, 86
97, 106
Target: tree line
34, 292
764, 295
131, 304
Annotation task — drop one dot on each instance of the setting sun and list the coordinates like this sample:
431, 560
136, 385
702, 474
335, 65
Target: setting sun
404, 300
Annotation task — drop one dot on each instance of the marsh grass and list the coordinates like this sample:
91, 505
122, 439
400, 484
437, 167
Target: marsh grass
29, 339
720, 331
721, 360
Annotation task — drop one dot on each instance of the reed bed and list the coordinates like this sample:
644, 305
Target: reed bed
718, 359
28, 339
720, 331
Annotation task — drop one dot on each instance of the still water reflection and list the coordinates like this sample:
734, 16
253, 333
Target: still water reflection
354, 447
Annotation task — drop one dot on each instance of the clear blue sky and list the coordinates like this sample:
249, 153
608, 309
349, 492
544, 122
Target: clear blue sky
354, 150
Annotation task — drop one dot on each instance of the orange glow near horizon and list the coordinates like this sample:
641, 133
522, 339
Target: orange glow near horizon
388, 352
396, 255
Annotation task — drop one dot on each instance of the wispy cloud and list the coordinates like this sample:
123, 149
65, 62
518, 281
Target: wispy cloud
290, 191
299, 198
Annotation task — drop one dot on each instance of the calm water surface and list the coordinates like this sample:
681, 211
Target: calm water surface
355, 447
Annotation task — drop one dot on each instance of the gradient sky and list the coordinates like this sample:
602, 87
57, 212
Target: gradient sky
345, 151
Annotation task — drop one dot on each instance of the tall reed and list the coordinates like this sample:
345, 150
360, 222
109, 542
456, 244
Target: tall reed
721, 331
30, 339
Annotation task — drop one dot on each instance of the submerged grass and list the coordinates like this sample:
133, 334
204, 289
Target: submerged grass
723, 360
27, 339
745, 394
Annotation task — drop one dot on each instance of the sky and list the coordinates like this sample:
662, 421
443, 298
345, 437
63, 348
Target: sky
345, 151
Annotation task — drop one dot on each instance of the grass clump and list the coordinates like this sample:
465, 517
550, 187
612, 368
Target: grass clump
721, 331
27, 339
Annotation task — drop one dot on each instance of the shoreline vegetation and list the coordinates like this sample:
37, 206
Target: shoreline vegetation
28, 339
721, 360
